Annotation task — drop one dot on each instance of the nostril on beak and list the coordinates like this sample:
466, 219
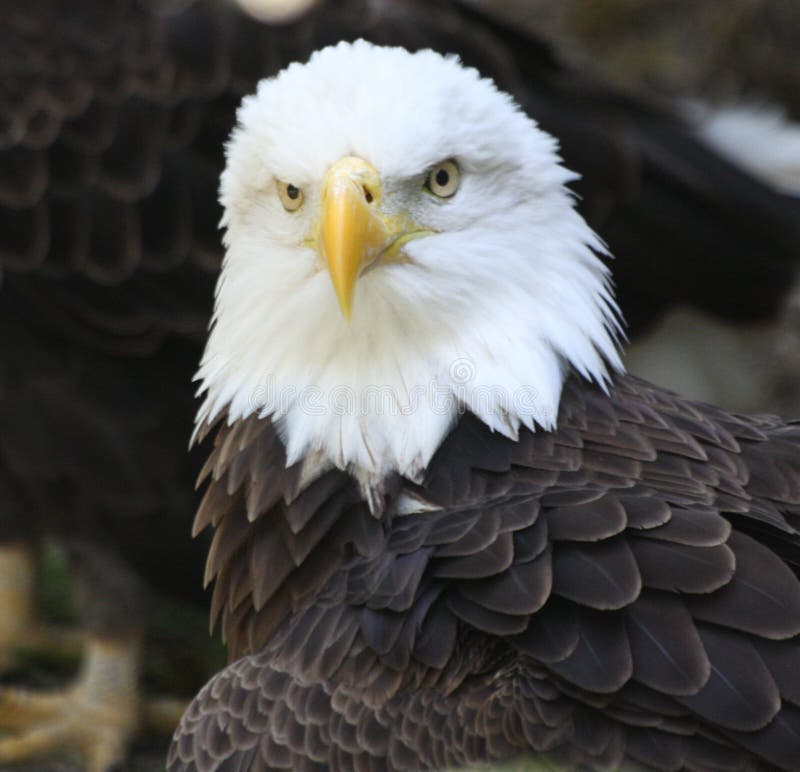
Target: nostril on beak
367, 194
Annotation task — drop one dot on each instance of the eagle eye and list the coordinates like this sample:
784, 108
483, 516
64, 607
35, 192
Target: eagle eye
443, 179
290, 195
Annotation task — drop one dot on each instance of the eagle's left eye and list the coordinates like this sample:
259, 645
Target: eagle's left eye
443, 179
290, 195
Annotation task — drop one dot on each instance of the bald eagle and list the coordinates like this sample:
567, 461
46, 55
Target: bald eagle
448, 528
113, 120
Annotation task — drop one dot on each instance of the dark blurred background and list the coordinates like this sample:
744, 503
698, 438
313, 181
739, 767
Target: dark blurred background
720, 50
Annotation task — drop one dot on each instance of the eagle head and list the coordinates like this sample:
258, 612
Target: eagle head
401, 246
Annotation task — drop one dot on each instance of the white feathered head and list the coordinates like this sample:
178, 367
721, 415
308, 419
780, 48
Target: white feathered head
400, 246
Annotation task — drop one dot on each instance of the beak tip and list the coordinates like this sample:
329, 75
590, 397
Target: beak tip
345, 306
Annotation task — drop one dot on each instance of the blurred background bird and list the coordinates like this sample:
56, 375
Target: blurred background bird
111, 143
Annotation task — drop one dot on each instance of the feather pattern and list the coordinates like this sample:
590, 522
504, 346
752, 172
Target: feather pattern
616, 615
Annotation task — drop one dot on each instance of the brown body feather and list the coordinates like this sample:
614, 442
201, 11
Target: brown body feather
621, 589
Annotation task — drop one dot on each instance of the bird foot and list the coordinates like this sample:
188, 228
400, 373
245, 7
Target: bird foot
95, 719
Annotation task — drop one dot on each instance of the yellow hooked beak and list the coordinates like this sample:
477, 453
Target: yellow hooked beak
354, 232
